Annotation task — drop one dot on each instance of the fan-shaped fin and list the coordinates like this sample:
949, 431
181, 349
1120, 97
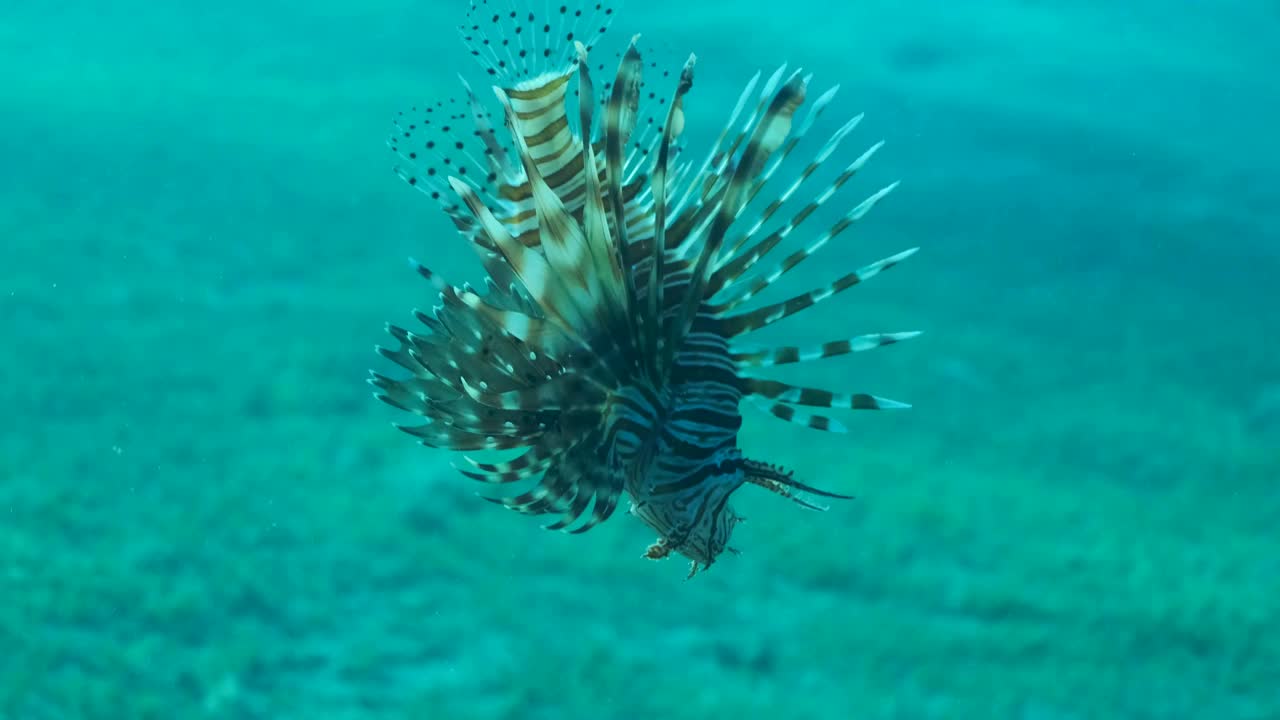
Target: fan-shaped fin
544, 285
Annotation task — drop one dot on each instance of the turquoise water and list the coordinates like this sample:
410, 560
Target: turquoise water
204, 514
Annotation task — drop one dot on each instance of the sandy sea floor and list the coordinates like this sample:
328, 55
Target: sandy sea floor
204, 514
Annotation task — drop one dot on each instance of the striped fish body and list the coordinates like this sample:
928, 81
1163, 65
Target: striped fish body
602, 348
683, 453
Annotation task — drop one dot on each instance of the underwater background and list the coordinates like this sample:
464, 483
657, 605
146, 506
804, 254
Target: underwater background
204, 513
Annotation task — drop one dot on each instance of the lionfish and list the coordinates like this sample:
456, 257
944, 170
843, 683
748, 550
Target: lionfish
603, 343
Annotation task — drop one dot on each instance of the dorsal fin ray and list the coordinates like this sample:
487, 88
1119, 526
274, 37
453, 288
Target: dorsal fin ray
813, 397
767, 137
607, 257
619, 118
786, 355
655, 353
562, 238
743, 292
736, 263
545, 286
753, 320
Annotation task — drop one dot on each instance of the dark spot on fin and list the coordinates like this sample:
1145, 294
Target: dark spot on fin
515, 45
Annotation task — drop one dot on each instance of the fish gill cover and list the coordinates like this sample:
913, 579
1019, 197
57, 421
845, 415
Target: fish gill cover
604, 346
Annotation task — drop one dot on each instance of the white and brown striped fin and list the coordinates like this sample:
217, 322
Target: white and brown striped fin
768, 136
551, 493
475, 345
654, 349
713, 179
595, 297
576, 479
549, 290
561, 237
815, 111
552, 236
745, 291
533, 461
619, 119
753, 320
698, 179
792, 414
813, 397
608, 258
544, 397
438, 434
530, 329
737, 263
781, 400
605, 483
795, 354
